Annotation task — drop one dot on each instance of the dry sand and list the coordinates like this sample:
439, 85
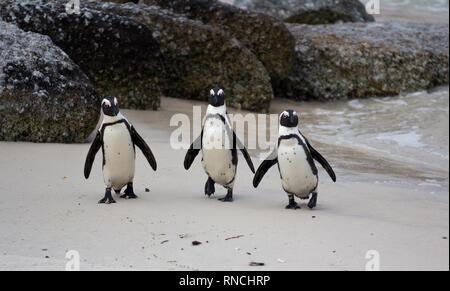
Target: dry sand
49, 208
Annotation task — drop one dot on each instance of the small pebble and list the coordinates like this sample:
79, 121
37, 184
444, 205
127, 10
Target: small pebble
196, 243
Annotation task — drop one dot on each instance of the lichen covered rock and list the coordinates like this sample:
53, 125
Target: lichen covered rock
310, 11
265, 36
44, 96
199, 57
118, 54
367, 59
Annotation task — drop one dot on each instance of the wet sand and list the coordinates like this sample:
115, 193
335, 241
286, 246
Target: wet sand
49, 208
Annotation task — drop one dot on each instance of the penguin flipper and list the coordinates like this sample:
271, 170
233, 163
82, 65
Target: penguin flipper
95, 146
262, 170
140, 142
318, 157
238, 144
193, 151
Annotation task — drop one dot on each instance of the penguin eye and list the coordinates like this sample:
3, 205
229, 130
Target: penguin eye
212, 93
106, 103
220, 93
115, 101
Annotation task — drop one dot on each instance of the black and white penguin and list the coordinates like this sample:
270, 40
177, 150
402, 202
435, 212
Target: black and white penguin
117, 138
295, 158
219, 145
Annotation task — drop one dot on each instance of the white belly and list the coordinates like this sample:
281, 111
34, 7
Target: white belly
216, 151
119, 156
296, 174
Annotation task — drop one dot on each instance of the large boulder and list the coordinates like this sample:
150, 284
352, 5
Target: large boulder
44, 96
367, 59
118, 54
310, 11
265, 36
199, 57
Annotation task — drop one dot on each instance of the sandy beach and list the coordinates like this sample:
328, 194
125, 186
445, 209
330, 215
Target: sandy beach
49, 208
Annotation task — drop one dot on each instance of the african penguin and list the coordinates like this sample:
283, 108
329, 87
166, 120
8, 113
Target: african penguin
295, 158
117, 138
219, 145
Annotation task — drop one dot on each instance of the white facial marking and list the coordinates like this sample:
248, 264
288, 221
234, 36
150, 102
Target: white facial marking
115, 101
212, 92
106, 103
284, 113
220, 93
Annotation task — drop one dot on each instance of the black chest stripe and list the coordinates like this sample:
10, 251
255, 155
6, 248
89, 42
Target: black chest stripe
102, 132
216, 115
229, 133
309, 157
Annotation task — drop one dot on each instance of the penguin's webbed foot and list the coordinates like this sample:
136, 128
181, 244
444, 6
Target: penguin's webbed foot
129, 196
228, 197
292, 204
129, 192
209, 187
108, 199
313, 201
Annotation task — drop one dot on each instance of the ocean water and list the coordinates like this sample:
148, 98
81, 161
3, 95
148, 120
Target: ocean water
413, 10
401, 139
427, 5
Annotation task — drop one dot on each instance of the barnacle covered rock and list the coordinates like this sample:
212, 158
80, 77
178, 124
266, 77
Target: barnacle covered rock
367, 59
118, 54
44, 96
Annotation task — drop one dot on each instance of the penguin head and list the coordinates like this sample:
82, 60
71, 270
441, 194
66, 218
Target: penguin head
110, 106
217, 97
289, 118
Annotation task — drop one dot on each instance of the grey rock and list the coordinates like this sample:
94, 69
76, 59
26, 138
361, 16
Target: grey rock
44, 96
198, 57
265, 36
118, 54
367, 59
310, 11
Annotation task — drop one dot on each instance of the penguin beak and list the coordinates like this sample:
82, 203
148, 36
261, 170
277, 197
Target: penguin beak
214, 100
292, 119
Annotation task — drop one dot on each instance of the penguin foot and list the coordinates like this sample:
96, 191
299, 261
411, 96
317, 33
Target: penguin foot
129, 192
129, 196
209, 187
313, 201
108, 199
292, 204
228, 197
